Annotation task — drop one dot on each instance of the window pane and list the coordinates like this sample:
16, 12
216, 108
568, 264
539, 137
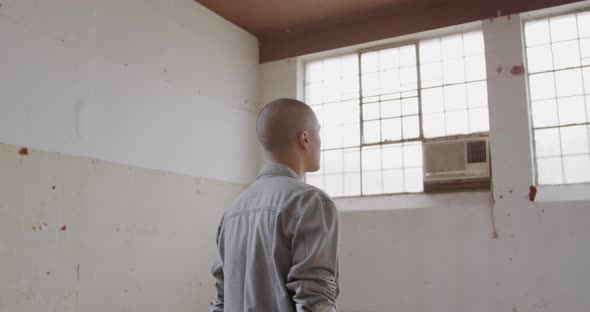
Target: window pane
542, 86
349, 88
370, 62
392, 156
475, 67
539, 58
391, 129
584, 24
313, 72
569, 82
585, 51
313, 93
479, 120
473, 43
333, 161
477, 94
431, 74
332, 114
388, 59
332, 137
411, 127
537, 32
571, 110
350, 66
412, 155
351, 135
371, 111
452, 47
455, 97
372, 182
389, 81
574, 140
391, 109
318, 110
407, 55
453, 71
547, 142
331, 68
413, 180
586, 72
434, 125
349, 112
393, 181
331, 91
577, 168
370, 84
371, 132
410, 106
352, 160
432, 100
456, 122
563, 28
544, 113
566, 54
334, 185
352, 184
409, 79
430, 51
549, 170
371, 158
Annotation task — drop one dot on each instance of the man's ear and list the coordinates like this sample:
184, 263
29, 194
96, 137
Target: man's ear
303, 140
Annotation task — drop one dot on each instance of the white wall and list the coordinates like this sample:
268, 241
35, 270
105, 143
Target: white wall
161, 84
438, 252
78, 234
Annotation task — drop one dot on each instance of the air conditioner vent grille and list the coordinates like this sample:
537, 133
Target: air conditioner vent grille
476, 152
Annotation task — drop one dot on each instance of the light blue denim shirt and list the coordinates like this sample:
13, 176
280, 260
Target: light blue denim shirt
278, 248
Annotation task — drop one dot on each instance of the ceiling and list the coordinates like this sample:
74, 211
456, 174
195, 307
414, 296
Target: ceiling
264, 18
288, 28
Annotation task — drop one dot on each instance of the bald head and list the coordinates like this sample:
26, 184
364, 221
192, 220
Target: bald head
281, 121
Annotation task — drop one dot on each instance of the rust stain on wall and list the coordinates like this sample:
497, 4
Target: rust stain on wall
517, 70
532, 193
23, 151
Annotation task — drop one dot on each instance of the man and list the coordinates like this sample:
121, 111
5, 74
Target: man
278, 242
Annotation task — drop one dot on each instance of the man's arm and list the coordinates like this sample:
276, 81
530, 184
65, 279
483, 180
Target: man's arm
217, 271
313, 278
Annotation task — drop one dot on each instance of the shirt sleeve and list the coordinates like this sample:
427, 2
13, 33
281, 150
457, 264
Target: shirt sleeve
217, 305
313, 277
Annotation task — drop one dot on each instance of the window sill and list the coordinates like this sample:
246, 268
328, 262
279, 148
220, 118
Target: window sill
412, 201
563, 193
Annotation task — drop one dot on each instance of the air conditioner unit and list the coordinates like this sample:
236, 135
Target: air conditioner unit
455, 165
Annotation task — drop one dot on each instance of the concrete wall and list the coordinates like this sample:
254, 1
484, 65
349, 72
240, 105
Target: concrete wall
482, 251
97, 90
138, 82
79, 234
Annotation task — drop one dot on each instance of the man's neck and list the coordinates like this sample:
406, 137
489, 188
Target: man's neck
295, 165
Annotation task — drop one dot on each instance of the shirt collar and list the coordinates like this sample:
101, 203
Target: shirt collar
277, 169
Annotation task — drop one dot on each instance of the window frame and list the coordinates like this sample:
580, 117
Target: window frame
414, 40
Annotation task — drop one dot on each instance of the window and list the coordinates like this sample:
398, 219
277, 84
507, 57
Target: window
376, 108
558, 57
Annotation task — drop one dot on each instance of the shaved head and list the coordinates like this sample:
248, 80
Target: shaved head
281, 121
